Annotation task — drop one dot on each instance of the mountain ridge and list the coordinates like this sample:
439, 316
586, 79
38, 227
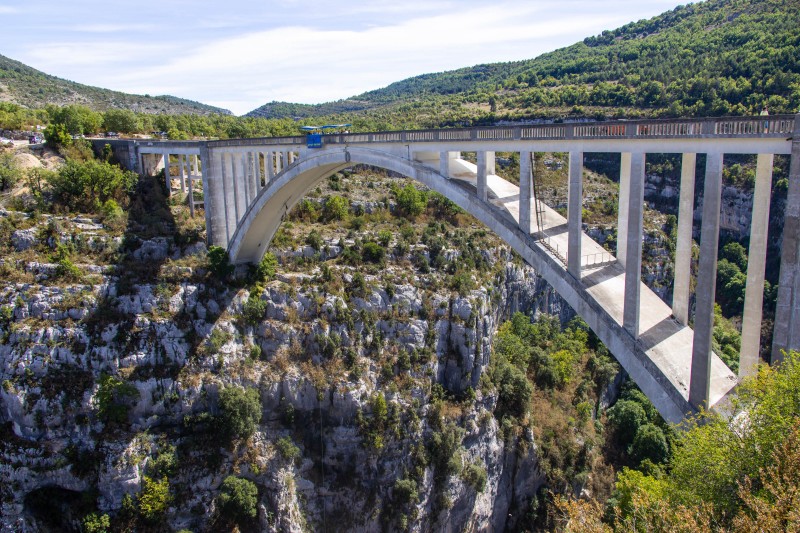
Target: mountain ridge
24, 85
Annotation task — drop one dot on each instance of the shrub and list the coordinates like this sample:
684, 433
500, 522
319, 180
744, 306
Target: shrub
475, 475
372, 252
411, 201
288, 449
314, 239
114, 398
219, 262
649, 443
95, 523
240, 411
626, 417
9, 171
238, 498
85, 185
405, 491
266, 269
384, 237
254, 309
154, 499
335, 208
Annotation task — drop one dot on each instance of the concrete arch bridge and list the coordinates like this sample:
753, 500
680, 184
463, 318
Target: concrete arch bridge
250, 184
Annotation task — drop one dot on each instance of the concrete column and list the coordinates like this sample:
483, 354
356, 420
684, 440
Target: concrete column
683, 249
269, 165
633, 249
167, 177
230, 195
241, 186
444, 164
490, 163
622, 211
526, 191
252, 188
787, 312
756, 265
182, 163
700, 380
483, 193
278, 161
574, 213
191, 189
213, 196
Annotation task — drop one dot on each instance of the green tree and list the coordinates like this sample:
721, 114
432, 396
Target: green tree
336, 208
9, 170
240, 411
238, 499
154, 499
411, 201
626, 417
218, 262
85, 185
121, 120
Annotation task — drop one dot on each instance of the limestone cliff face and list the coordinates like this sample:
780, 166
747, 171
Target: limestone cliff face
160, 352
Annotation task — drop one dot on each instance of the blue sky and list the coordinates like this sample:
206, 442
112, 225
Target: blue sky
240, 54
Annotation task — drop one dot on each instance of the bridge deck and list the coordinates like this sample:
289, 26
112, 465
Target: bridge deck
667, 343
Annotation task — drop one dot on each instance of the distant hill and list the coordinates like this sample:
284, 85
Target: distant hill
713, 58
31, 88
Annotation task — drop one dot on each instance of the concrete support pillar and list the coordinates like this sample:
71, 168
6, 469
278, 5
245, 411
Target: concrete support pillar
683, 249
622, 211
756, 265
483, 192
526, 192
191, 188
230, 195
787, 312
252, 182
574, 213
240, 185
269, 165
213, 196
490, 163
167, 176
182, 164
278, 161
444, 164
700, 380
633, 249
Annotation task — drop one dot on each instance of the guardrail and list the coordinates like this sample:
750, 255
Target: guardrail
762, 126
597, 259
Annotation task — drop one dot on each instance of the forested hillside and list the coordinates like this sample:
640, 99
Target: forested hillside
713, 58
26, 86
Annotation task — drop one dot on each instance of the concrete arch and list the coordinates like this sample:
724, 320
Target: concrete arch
263, 217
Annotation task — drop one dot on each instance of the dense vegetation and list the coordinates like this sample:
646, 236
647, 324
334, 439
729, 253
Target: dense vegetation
737, 473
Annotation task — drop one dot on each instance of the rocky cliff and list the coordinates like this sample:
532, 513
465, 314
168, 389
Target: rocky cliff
373, 408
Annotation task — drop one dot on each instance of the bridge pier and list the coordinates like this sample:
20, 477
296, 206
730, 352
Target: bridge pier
575, 213
787, 311
683, 249
756, 265
700, 378
526, 199
622, 210
633, 249
485, 161
167, 174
